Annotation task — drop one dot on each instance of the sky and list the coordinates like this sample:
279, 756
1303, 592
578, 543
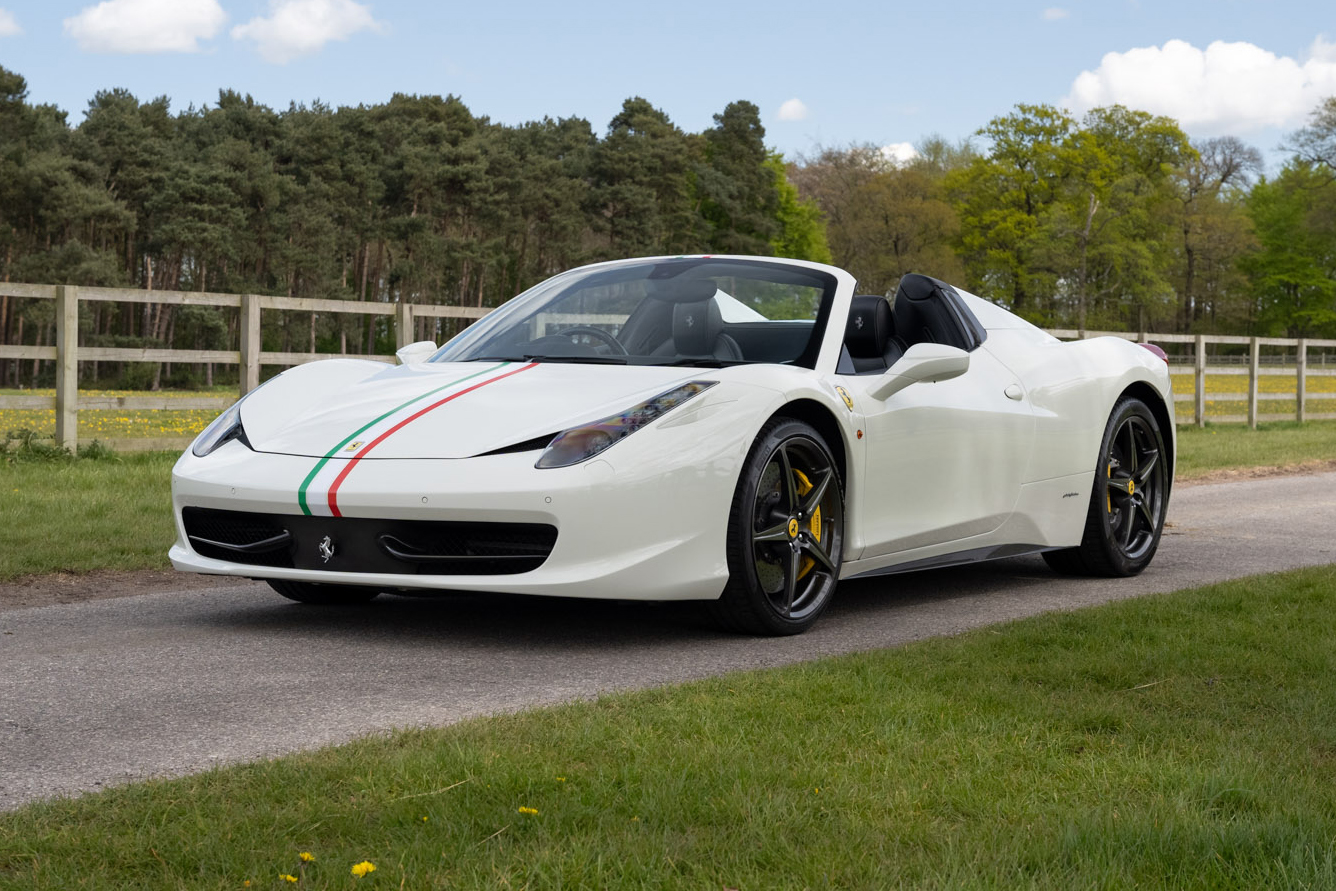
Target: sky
824, 74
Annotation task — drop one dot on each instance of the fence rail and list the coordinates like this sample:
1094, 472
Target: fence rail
67, 354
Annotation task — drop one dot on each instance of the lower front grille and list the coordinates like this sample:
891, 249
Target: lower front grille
351, 544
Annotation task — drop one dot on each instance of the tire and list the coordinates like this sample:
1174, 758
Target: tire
785, 542
1128, 501
323, 595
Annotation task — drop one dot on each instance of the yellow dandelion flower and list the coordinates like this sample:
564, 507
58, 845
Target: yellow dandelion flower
361, 869
424, 819
528, 810
561, 779
287, 878
306, 857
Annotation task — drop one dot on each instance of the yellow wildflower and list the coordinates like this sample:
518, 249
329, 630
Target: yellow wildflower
424, 819
361, 869
306, 857
561, 779
287, 878
528, 810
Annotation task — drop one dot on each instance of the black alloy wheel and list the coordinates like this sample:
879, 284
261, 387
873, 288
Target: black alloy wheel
785, 533
1128, 501
323, 595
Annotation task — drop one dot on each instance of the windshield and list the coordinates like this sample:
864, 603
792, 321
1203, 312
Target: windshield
686, 311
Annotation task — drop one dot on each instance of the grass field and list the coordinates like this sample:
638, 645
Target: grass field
1281, 388
1182, 741
79, 515
117, 424
1202, 450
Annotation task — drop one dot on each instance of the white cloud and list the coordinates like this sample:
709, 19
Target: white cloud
8, 26
793, 110
146, 26
1230, 88
300, 27
1322, 50
899, 152
1054, 13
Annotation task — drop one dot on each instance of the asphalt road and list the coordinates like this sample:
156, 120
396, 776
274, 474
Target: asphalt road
109, 691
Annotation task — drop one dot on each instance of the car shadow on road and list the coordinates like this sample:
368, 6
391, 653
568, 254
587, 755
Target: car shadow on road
466, 620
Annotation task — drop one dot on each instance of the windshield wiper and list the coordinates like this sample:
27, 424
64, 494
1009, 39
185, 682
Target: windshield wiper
538, 357
592, 360
701, 362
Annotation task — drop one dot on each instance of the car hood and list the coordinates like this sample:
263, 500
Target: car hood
429, 410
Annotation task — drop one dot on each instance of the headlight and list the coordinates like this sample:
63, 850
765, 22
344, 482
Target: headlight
225, 427
584, 442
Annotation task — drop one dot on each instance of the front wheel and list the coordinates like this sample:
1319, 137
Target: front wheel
1128, 501
323, 595
785, 533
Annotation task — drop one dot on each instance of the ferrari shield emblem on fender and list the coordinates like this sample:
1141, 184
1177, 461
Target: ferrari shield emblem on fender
844, 394
326, 548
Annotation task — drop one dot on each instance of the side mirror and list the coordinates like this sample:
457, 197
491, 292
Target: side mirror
415, 352
921, 363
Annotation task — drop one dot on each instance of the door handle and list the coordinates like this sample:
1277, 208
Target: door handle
1014, 392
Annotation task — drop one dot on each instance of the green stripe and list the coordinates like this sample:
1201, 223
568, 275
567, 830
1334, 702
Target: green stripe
306, 483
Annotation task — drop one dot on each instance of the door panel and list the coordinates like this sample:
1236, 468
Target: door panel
945, 460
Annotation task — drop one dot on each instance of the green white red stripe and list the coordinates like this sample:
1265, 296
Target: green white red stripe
318, 493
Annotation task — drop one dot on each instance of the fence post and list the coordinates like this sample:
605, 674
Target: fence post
67, 367
250, 342
1199, 381
1302, 390
1254, 359
403, 325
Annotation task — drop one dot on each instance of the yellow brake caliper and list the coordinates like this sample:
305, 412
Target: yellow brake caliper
804, 486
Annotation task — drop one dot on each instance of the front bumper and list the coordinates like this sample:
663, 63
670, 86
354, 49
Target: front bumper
647, 522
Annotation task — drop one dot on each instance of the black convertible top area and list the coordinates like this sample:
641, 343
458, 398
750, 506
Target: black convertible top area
925, 310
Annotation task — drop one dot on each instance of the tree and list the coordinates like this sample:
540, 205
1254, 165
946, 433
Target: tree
738, 194
1004, 198
883, 221
642, 194
802, 233
1316, 143
1294, 272
1210, 187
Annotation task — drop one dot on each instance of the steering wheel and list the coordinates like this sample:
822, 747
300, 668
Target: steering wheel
598, 334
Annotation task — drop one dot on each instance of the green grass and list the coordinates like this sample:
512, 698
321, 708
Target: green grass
1203, 449
63, 514
1184, 741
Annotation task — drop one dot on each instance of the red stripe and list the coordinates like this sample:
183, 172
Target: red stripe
338, 480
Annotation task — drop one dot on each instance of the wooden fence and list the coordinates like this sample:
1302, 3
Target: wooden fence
67, 354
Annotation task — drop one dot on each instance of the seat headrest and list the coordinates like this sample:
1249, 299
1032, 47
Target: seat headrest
674, 291
695, 327
870, 327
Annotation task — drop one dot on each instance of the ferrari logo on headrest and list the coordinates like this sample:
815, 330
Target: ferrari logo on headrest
690, 320
858, 322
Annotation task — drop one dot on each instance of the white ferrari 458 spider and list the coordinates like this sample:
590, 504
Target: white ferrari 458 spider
738, 430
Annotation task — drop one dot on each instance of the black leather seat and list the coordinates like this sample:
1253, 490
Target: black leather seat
698, 331
869, 335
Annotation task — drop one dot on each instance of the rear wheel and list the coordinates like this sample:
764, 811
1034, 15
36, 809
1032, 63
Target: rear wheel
785, 533
325, 595
1128, 501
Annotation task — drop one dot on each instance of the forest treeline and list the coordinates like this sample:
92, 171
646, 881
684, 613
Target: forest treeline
1115, 220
